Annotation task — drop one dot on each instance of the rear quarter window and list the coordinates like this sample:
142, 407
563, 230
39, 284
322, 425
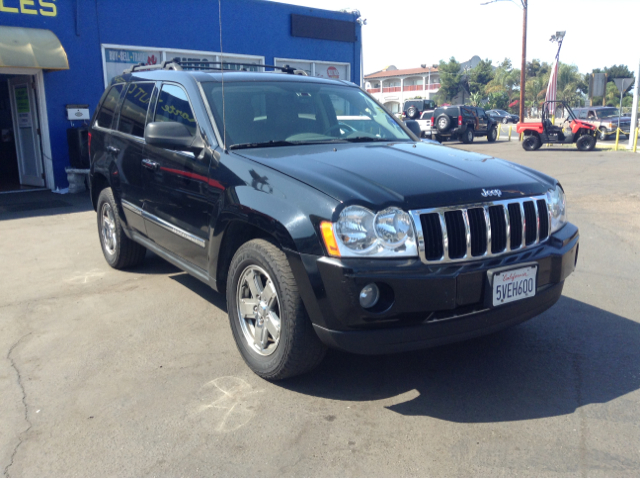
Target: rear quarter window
107, 111
133, 113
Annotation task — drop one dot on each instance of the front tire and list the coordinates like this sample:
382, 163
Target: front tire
119, 251
531, 142
269, 322
505, 121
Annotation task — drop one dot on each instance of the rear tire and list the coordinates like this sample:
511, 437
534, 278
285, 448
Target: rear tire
531, 142
505, 121
586, 143
467, 136
119, 251
277, 342
492, 135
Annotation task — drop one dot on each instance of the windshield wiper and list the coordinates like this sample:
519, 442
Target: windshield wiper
240, 146
362, 139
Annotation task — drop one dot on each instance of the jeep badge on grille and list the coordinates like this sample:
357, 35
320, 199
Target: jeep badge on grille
486, 193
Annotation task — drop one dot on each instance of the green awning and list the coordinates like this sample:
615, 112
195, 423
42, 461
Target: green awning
31, 48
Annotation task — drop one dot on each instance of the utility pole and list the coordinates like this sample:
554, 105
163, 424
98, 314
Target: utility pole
524, 57
634, 108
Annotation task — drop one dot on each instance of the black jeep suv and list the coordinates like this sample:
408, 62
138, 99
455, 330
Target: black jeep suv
324, 220
463, 123
413, 109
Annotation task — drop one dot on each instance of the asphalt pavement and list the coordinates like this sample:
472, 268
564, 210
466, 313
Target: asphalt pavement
114, 373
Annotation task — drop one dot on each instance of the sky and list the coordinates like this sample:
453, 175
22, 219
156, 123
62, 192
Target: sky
408, 33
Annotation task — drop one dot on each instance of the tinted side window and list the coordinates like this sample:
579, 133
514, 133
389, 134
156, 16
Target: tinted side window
108, 107
134, 109
173, 105
582, 114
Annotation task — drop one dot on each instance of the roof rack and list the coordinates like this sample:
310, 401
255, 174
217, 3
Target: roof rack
177, 64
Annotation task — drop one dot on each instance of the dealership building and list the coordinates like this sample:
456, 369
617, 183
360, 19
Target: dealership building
58, 55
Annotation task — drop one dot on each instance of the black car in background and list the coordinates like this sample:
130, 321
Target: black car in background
462, 122
501, 116
413, 109
324, 220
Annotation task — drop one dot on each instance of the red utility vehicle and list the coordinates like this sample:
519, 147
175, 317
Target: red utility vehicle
572, 130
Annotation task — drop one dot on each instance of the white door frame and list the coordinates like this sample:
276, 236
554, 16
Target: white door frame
43, 119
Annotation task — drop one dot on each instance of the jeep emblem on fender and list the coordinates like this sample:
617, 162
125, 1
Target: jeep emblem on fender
486, 193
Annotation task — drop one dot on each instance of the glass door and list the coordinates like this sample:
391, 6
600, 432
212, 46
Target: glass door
27, 130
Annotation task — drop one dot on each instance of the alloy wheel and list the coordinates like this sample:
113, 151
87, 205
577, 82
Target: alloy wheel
258, 309
108, 229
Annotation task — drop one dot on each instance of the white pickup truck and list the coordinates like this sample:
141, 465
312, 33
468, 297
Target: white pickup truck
425, 123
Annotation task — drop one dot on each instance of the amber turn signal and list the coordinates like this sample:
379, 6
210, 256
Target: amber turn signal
329, 238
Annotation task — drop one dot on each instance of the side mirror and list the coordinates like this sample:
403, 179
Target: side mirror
171, 135
414, 126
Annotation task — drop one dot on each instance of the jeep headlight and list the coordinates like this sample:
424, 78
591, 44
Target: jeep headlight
557, 205
360, 232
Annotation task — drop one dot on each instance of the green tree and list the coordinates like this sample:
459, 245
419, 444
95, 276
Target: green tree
450, 80
480, 76
535, 68
497, 99
475, 99
506, 80
618, 71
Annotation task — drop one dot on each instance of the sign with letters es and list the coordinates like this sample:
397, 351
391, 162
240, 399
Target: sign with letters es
46, 8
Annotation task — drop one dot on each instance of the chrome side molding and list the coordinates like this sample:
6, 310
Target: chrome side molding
164, 224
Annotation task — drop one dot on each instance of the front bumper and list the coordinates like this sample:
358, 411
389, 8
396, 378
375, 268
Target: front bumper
430, 304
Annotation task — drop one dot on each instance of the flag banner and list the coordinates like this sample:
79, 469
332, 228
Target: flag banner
551, 88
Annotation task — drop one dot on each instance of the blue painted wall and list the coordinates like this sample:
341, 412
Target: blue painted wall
250, 27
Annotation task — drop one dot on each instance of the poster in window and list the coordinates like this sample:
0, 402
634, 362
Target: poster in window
117, 60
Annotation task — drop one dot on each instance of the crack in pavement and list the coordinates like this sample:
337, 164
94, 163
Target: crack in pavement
24, 403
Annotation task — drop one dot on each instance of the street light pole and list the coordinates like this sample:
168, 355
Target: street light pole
524, 57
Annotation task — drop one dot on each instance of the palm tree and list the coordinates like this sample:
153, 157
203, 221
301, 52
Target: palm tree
505, 80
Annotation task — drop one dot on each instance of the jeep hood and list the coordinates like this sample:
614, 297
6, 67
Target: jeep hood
408, 175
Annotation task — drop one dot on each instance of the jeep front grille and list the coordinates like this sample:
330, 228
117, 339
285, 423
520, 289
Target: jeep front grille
463, 233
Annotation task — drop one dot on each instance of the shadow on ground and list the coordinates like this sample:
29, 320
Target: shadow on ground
571, 356
203, 290
42, 203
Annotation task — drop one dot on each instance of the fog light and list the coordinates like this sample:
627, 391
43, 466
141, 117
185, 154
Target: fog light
369, 296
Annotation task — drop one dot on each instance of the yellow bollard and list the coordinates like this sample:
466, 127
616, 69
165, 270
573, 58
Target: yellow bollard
521, 136
510, 126
635, 141
617, 139
499, 130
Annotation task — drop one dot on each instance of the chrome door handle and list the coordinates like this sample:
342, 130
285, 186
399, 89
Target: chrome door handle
113, 149
150, 164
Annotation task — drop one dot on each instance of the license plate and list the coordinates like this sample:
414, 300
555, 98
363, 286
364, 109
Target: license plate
514, 284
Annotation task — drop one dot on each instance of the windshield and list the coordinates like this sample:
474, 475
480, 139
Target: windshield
608, 113
280, 113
